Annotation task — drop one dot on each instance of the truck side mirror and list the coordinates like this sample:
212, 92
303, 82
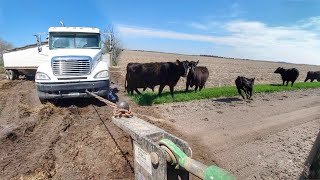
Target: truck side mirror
110, 44
38, 42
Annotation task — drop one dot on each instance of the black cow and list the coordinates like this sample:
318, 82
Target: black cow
312, 75
288, 75
197, 76
169, 74
153, 74
245, 84
134, 77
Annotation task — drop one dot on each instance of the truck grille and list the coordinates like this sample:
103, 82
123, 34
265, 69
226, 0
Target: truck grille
71, 65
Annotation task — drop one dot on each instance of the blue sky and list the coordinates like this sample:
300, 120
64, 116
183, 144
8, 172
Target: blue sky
278, 30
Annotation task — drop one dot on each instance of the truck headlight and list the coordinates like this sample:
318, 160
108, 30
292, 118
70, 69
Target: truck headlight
42, 76
102, 74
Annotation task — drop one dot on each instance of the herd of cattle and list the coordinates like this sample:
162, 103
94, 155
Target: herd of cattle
149, 75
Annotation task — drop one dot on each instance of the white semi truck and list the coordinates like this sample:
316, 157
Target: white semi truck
67, 65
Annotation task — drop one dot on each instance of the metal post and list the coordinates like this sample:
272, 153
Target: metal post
110, 52
160, 155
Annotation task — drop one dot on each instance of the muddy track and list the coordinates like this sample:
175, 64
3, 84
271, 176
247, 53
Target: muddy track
62, 141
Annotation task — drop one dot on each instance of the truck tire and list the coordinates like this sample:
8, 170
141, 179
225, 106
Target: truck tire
43, 101
7, 74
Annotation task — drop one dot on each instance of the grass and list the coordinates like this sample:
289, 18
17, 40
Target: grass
150, 98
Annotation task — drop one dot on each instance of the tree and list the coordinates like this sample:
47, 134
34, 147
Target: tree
116, 46
4, 45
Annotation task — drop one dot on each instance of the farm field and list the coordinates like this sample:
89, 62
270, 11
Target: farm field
267, 138
222, 71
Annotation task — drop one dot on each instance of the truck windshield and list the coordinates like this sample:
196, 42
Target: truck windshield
74, 40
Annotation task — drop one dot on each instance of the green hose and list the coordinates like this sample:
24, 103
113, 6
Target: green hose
200, 170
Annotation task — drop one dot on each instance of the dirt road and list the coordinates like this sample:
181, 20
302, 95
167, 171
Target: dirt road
267, 138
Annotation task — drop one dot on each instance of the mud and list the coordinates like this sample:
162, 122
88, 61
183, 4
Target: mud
62, 141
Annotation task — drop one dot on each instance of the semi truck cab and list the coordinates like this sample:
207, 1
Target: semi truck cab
74, 64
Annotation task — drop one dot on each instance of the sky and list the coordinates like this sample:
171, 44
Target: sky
273, 30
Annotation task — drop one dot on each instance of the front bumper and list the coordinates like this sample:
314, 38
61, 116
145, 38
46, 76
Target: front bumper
72, 89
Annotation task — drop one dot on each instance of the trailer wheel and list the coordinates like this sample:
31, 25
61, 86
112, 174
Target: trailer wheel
12, 75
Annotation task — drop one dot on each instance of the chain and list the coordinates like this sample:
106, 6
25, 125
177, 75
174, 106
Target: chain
117, 112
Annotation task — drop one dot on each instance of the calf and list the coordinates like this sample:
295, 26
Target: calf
197, 76
312, 75
246, 85
288, 75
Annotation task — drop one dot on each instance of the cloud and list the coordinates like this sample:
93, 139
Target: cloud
198, 26
157, 33
312, 23
231, 12
251, 39
208, 26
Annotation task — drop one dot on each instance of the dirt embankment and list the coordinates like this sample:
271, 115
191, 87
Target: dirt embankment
67, 141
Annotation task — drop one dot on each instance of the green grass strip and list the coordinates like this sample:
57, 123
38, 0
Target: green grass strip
149, 98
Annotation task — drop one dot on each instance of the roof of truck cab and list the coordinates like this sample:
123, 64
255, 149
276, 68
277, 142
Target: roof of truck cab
74, 29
